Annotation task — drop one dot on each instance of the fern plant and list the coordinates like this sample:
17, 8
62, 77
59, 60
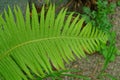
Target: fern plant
30, 47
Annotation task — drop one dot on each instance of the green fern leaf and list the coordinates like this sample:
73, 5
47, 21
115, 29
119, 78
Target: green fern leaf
29, 48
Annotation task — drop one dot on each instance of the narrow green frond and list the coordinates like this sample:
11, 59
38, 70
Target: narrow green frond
67, 23
42, 22
35, 23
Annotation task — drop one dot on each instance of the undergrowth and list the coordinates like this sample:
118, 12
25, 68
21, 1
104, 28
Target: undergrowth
100, 19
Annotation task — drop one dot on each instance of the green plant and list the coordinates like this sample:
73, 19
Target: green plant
109, 51
59, 75
29, 49
99, 18
118, 2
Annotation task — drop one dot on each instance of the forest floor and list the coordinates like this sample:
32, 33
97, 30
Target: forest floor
92, 65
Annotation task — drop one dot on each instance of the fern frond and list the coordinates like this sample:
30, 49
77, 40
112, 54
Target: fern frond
29, 47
